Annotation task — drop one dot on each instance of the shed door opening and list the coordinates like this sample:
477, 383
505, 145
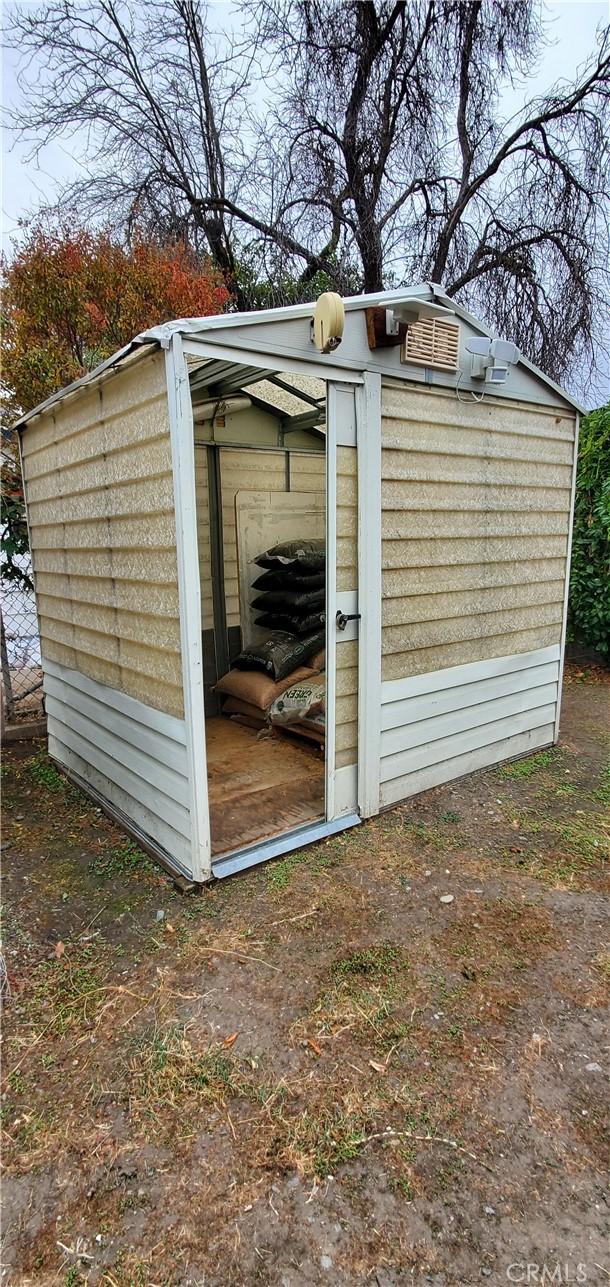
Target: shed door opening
260, 464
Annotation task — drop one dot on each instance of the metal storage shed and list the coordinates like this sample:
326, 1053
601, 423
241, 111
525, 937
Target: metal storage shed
446, 500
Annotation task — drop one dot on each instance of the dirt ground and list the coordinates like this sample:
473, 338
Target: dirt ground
323, 1071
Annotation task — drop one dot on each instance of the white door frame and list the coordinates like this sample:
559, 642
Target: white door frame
368, 423
191, 624
182, 439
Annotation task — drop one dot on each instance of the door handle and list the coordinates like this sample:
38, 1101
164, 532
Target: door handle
342, 618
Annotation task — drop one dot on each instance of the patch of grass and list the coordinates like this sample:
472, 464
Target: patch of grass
363, 994
168, 1075
531, 764
279, 874
449, 815
44, 774
73, 1277
602, 963
126, 859
321, 1137
602, 792
373, 963
65, 994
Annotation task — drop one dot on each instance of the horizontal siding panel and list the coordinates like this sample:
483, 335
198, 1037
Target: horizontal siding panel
476, 505
143, 497
159, 698
307, 473
153, 773
452, 525
114, 470
164, 631
170, 730
483, 497
346, 655
420, 466
464, 577
456, 629
500, 415
137, 426
447, 748
472, 673
346, 737
110, 765
139, 566
423, 732
471, 603
459, 766
522, 553
476, 444
411, 710
173, 842
157, 532
346, 709
421, 661
153, 600
347, 681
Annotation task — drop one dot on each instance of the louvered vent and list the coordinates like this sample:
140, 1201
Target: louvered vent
431, 341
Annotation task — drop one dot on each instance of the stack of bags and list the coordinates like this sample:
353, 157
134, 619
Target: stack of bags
279, 679
292, 588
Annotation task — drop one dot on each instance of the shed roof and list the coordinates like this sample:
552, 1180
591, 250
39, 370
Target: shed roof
198, 327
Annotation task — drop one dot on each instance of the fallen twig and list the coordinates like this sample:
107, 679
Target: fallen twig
428, 1139
241, 956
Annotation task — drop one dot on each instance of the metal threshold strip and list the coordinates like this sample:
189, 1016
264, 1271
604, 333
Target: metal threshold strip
241, 859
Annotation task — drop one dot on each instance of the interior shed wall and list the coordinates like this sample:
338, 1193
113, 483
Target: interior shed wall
249, 460
476, 502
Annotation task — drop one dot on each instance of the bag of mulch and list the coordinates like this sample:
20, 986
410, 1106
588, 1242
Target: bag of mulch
280, 653
294, 602
256, 689
299, 702
290, 578
294, 625
306, 555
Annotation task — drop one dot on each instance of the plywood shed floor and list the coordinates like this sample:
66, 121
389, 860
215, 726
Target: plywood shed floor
259, 787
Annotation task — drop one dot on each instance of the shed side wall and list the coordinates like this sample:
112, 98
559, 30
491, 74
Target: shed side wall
98, 479
475, 523
99, 489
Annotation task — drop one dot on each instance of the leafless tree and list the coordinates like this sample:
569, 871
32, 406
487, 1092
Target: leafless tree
359, 142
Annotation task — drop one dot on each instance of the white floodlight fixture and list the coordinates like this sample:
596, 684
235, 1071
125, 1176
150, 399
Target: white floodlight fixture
491, 358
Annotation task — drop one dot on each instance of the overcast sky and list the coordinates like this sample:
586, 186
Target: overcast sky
571, 29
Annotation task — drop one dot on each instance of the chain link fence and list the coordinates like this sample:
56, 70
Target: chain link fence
20, 651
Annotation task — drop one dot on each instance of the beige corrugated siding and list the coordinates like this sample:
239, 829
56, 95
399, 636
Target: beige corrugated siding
476, 504
307, 471
98, 476
203, 536
346, 730
247, 469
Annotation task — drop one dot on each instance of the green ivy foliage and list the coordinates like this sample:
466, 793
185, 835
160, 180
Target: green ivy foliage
589, 606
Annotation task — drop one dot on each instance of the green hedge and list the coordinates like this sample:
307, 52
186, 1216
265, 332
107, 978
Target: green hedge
589, 606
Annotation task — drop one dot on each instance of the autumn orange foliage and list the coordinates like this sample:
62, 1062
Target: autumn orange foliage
70, 298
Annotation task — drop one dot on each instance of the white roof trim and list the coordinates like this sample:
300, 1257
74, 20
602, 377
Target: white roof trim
199, 326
